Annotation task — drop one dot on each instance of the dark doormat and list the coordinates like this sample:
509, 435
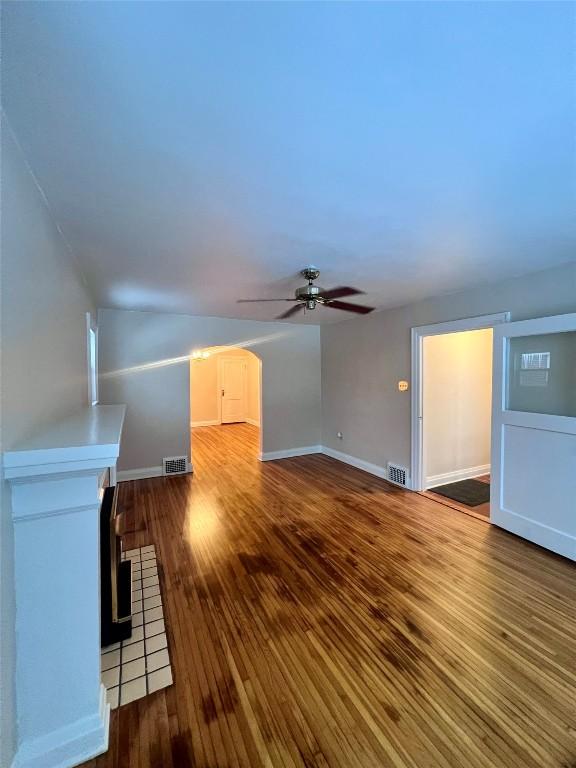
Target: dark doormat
469, 492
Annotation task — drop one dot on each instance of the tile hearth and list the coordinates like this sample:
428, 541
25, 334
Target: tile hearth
140, 665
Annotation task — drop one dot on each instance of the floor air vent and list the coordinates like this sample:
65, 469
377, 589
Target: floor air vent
397, 475
175, 465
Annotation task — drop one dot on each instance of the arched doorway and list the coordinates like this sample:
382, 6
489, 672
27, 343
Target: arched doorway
225, 404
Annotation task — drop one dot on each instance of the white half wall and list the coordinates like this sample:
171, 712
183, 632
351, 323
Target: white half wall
44, 368
364, 358
144, 363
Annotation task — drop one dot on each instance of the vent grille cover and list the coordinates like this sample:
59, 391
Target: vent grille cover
174, 465
397, 475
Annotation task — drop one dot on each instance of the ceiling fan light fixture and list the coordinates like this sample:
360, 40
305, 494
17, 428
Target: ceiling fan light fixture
307, 296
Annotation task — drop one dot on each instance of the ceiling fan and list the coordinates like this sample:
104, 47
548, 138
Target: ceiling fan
309, 295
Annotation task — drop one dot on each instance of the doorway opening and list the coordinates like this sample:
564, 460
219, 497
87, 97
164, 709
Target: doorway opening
452, 413
225, 405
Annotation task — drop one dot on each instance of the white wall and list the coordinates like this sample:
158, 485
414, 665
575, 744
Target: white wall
457, 403
204, 391
253, 391
364, 358
144, 363
44, 370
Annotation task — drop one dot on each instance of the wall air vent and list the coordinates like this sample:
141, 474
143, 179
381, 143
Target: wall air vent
174, 465
397, 475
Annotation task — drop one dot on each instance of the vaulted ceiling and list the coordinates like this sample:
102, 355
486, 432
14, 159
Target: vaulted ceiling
196, 153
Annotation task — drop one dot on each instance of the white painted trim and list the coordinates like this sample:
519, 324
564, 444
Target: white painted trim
123, 475
141, 473
417, 335
74, 744
290, 453
366, 466
540, 325
459, 474
550, 538
216, 423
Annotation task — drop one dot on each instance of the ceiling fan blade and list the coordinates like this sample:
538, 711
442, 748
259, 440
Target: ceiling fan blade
338, 293
290, 312
246, 301
359, 309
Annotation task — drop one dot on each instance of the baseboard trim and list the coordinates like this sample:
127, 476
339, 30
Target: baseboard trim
459, 474
353, 461
125, 475
290, 453
538, 533
141, 473
71, 745
254, 422
210, 423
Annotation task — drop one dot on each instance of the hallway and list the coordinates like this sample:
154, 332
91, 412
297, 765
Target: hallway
225, 443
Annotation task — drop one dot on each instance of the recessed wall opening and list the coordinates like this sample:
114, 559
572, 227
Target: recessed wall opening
452, 412
225, 404
457, 405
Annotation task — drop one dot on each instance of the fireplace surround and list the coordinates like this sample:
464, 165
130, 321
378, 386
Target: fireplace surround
115, 574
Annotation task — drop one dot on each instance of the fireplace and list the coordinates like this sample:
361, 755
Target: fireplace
115, 574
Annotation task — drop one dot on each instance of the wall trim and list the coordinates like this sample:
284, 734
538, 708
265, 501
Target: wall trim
123, 475
538, 533
71, 745
291, 453
458, 474
354, 461
218, 423
141, 473
417, 334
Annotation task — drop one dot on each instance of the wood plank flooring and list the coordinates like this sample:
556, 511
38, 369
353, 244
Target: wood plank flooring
318, 616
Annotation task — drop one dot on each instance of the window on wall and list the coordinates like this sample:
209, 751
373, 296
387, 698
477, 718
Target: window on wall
92, 362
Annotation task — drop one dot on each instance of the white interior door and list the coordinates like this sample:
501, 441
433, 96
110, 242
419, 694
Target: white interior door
533, 486
233, 390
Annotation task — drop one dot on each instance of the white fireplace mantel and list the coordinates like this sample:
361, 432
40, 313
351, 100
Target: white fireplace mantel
56, 482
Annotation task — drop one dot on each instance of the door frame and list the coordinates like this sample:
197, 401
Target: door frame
418, 333
221, 360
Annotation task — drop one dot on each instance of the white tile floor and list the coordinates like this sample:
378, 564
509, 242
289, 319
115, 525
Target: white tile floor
141, 664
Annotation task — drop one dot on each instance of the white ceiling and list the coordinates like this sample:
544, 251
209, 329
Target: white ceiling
196, 153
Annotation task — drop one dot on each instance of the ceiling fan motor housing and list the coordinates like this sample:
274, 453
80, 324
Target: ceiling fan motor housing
308, 294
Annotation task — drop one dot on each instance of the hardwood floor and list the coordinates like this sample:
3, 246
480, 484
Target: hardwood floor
318, 616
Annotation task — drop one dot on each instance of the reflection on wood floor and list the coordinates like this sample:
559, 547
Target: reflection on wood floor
318, 616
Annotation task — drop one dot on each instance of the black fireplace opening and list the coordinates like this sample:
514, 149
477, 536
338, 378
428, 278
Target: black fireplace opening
115, 575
